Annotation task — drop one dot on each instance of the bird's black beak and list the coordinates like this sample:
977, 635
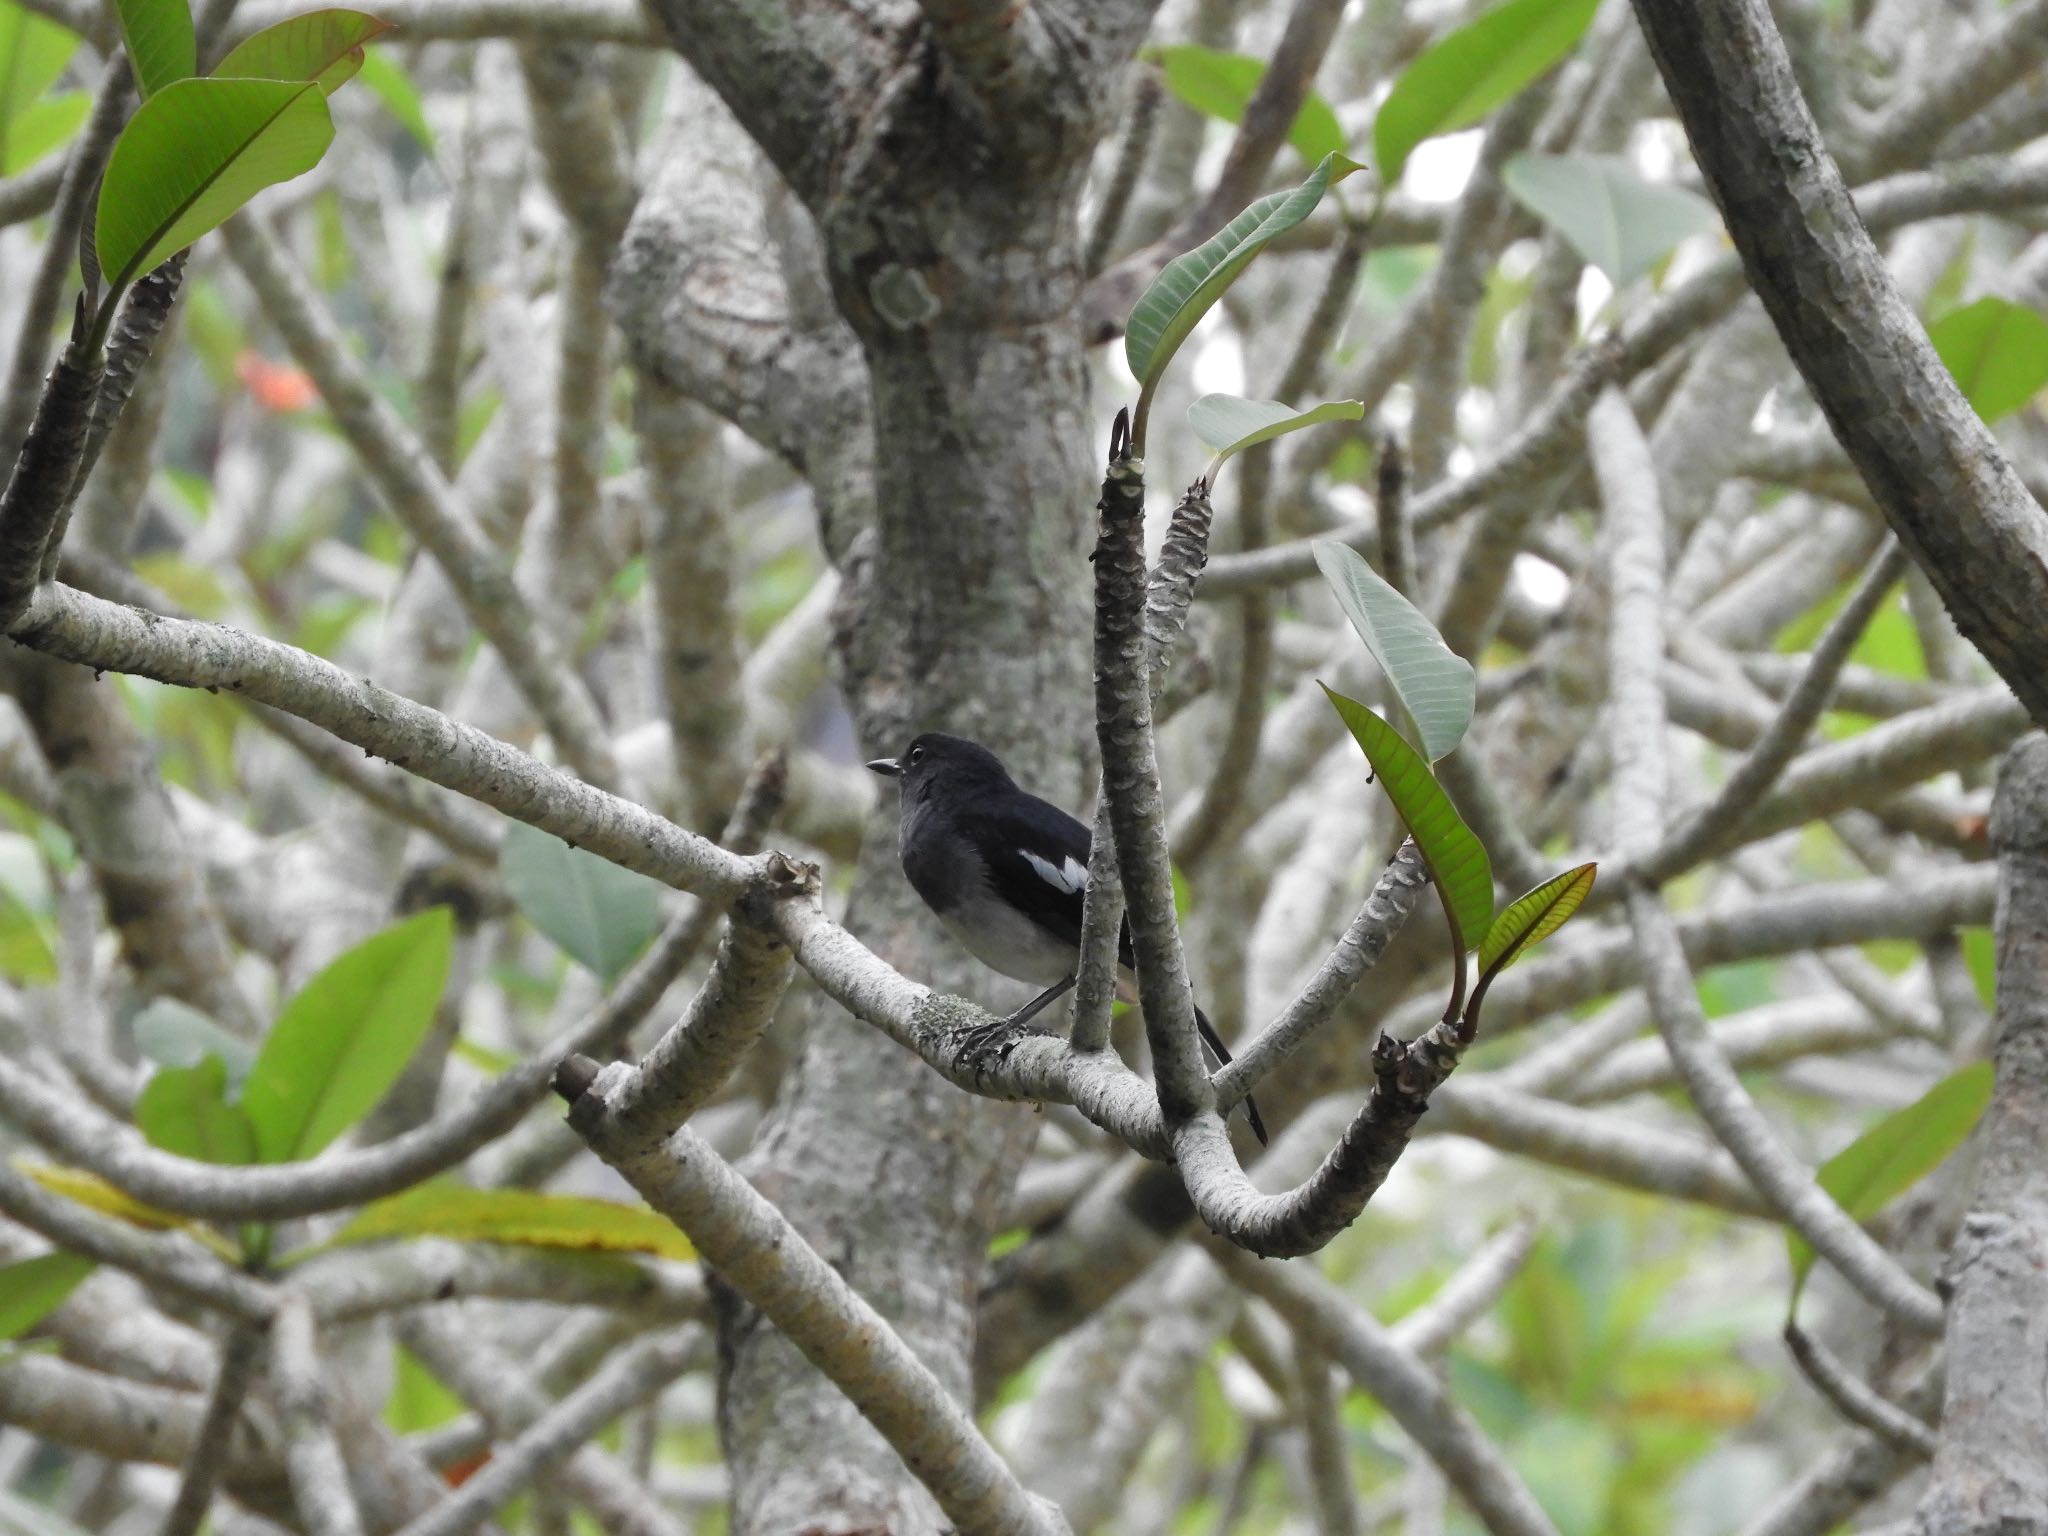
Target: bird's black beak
887, 767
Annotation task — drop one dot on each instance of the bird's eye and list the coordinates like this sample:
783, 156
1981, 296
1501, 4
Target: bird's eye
917, 754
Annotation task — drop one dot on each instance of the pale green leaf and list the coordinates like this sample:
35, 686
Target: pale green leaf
1434, 683
323, 48
40, 127
31, 1289
1456, 861
33, 53
1464, 76
1897, 1153
1221, 85
175, 1034
601, 914
401, 98
1998, 352
344, 1039
1191, 283
1617, 219
1228, 424
193, 154
160, 41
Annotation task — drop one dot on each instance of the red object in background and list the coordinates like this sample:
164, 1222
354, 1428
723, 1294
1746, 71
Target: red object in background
274, 386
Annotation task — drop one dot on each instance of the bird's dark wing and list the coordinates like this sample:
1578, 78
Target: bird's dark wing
1037, 861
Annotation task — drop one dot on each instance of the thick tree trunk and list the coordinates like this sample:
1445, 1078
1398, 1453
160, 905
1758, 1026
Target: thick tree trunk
943, 177
1991, 1471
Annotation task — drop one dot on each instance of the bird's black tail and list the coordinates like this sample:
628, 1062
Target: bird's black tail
1215, 1043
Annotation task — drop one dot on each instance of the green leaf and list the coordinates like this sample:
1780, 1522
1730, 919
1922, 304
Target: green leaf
418, 1399
160, 42
1529, 920
185, 1110
344, 1039
1230, 425
31, 1289
33, 53
1897, 1152
194, 154
1191, 283
1457, 862
1221, 85
601, 914
1980, 954
323, 48
175, 1034
530, 1218
401, 98
1434, 683
1460, 79
1998, 352
1618, 220
39, 128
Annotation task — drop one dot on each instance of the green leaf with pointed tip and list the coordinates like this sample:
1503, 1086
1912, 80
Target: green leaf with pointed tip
1998, 352
160, 41
193, 154
1529, 920
1615, 217
1191, 283
601, 914
527, 1217
1434, 683
1457, 862
1230, 425
344, 1039
185, 1110
1897, 1153
1222, 85
1465, 75
31, 1289
323, 48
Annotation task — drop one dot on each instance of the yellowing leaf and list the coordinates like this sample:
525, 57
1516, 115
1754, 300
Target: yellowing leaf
530, 1218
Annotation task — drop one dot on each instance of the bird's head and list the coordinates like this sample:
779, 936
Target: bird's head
936, 758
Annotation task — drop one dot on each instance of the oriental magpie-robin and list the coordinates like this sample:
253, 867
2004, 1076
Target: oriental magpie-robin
1005, 871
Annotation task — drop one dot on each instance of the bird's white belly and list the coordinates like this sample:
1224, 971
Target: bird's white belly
1006, 941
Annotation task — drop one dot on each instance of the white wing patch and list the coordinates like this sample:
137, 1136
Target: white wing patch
1072, 875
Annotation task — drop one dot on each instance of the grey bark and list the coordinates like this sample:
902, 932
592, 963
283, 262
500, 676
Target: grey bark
1934, 468
1991, 1468
946, 212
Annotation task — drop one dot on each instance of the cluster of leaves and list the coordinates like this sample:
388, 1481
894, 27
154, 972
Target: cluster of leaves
1436, 687
199, 148
334, 1052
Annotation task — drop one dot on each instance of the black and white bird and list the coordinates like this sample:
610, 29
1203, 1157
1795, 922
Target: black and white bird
1005, 871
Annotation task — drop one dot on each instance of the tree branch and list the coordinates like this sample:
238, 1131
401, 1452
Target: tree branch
1935, 470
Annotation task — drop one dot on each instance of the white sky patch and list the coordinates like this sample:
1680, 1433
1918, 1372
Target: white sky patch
1766, 416
1546, 585
1218, 359
1349, 499
1594, 292
1439, 168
